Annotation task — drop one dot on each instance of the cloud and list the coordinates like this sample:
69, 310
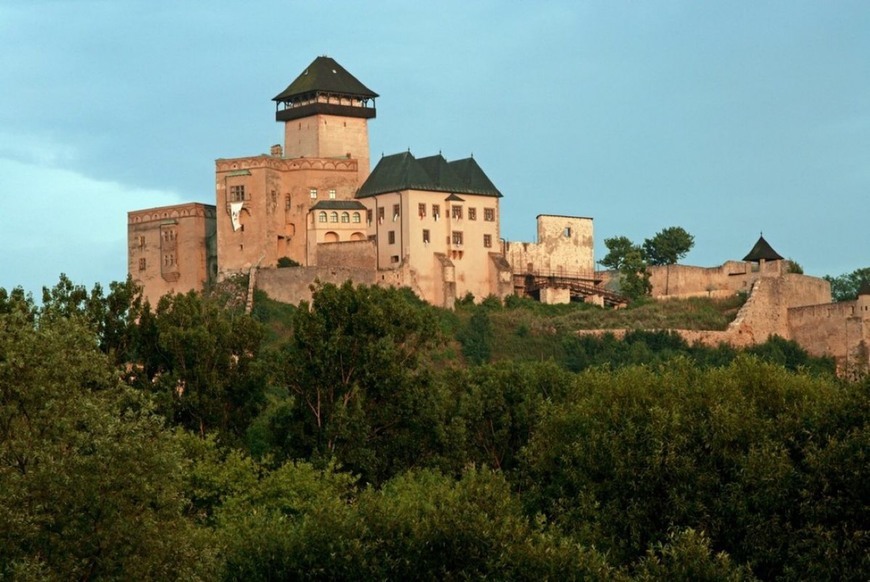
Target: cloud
54, 221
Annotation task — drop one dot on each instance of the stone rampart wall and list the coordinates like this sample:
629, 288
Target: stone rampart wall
359, 254
293, 284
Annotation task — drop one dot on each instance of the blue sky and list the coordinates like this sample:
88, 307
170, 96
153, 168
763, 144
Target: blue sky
725, 118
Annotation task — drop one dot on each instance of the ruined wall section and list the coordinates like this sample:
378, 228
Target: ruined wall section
564, 247
838, 329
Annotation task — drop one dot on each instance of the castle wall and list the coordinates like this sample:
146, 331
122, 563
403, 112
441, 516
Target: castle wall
171, 249
352, 254
278, 194
838, 329
564, 247
292, 285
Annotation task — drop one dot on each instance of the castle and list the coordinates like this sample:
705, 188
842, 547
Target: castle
429, 224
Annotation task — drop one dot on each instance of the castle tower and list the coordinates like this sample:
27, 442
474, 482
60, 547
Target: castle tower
325, 113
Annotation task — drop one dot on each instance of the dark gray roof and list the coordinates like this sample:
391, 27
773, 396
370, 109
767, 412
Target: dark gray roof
762, 251
338, 205
435, 174
324, 75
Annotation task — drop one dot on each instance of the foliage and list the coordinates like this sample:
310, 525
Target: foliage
668, 246
200, 360
476, 337
355, 444
90, 481
304, 523
845, 287
285, 262
353, 368
794, 267
628, 259
744, 453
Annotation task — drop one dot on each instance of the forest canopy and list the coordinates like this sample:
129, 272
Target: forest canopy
368, 435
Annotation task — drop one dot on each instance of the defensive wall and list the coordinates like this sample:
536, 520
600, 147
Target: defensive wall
794, 307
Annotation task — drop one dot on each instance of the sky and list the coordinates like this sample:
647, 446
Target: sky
726, 118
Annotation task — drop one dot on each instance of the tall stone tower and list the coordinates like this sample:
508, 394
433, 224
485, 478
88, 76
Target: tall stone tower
325, 113
264, 202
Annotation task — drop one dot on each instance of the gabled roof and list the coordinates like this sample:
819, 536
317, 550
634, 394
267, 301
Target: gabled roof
474, 178
441, 173
434, 174
762, 251
338, 205
324, 75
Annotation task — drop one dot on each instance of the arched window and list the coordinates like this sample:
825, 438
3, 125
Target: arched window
321, 216
356, 217
333, 217
345, 217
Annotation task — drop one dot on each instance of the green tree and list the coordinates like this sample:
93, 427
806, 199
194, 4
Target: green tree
845, 287
112, 316
628, 259
476, 337
201, 361
354, 371
618, 248
667, 247
90, 480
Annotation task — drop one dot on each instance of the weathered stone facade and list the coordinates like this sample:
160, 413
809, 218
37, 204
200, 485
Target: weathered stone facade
171, 249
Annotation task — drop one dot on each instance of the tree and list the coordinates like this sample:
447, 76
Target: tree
353, 369
667, 247
618, 248
476, 337
627, 258
201, 360
90, 480
846, 286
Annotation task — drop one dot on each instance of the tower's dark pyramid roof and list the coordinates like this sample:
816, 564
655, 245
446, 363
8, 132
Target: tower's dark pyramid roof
325, 75
762, 251
434, 173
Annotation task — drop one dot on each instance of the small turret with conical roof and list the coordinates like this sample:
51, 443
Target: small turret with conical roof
325, 111
762, 251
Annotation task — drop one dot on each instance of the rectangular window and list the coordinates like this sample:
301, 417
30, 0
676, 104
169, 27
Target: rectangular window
395, 212
472, 214
332, 194
141, 264
313, 193
436, 211
287, 205
391, 237
394, 259
141, 242
456, 212
421, 210
487, 240
237, 193
426, 236
380, 214
369, 215
457, 237
489, 214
